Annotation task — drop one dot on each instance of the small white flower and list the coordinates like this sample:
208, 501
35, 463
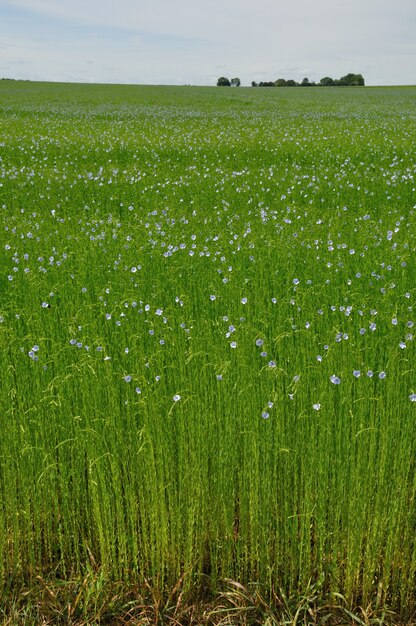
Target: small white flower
316, 406
176, 397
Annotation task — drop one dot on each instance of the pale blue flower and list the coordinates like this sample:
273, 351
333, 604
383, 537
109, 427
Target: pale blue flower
335, 380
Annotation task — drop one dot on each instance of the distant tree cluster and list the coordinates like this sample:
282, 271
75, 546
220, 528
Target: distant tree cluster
226, 82
349, 80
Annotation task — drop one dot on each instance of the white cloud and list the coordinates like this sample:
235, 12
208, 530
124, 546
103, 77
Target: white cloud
188, 40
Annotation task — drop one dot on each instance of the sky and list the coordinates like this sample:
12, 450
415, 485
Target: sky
176, 42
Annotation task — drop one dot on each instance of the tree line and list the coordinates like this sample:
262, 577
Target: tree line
349, 80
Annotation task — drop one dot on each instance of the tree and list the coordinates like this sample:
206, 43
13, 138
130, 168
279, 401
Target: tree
291, 83
352, 80
305, 83
253, 83
235, 82
280, 82
223, 82
326, 81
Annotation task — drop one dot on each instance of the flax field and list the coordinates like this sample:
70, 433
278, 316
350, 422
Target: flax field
207, 331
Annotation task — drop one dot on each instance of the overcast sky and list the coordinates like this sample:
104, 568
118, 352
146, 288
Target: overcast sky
196, 41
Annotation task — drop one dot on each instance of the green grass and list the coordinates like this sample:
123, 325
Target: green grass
182, 271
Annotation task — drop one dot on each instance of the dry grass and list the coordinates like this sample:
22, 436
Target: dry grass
93, 602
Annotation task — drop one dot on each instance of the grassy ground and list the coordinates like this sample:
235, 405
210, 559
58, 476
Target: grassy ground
207, 354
